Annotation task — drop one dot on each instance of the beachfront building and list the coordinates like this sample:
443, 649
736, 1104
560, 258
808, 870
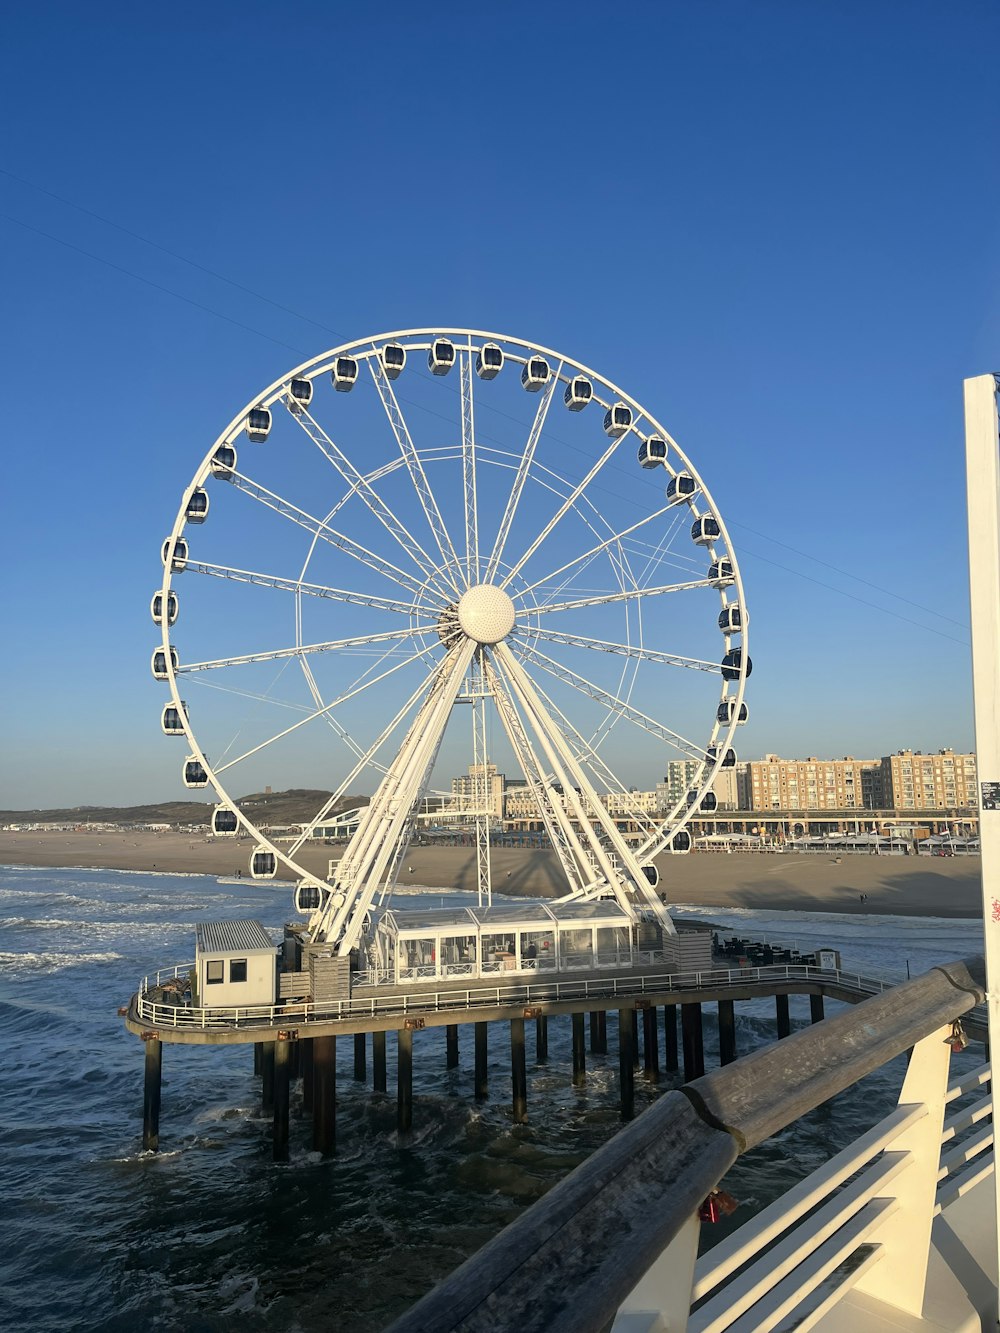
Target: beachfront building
774, 783
911, 780
682, 776
480, 789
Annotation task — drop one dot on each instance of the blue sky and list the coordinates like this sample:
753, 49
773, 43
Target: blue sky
775, 224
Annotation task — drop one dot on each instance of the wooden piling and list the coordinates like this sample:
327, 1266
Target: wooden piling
481, 1059
451, 1046
151, 1087
727, 1032
404, 1080
626, 1063
693, 1041
670, 1038
579, 1058
635, 1040
267, 1076
816, 1013
378, 1062
518, 1072
324, 1094
360, 1058
306, 1067
541, 1039
282, 1080
783, 1016
650, 1044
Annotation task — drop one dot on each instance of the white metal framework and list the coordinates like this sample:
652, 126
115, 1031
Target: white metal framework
406, 568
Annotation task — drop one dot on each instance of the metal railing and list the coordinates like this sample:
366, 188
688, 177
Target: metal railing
392, 1001
616, 1240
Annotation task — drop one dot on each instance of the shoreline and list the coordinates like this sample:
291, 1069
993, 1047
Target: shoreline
916, 886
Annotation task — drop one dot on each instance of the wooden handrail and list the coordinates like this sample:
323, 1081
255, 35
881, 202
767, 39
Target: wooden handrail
567, 1263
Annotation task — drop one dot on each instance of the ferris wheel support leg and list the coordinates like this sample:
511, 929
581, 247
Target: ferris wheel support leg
558, 827
484, 876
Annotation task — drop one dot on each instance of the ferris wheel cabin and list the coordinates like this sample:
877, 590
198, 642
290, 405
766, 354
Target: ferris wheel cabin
652, 452
731, 618
176, 558
393, 360
194, 774
156, 608
681, 487
441, 357
197, 506
300, 394
705, 530
579, 392
258, 424
224, 822
728, 759
159, 663
535, 374
171, 721
263, 864
732, 664
344, 374
489, 361
707, 803
617, 420
720, 573
223, 463
725, 711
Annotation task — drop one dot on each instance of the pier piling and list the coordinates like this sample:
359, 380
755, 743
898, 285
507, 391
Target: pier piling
518, 1072
306, 1069
378, 1062
579, 1058
267, 1076
626, 1063
404, 1080
635, 1039
693, 1041
727, 1032
816, 1013
481, 1059
451, 1045
598, 1032
650, 1044
152, 1081
541, 1039
324, 1094
360, 1058
670, 1038
282, 1072
784, 1019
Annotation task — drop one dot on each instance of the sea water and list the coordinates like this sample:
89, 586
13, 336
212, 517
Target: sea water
210, 1234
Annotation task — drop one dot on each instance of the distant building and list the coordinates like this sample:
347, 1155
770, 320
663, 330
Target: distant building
774, 783
681, 776
481, 788
943, 781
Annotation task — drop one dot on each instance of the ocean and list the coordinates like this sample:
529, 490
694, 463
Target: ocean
210, 1233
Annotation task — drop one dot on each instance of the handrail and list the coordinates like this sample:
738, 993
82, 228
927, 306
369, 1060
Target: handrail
390, 1000
569, 1261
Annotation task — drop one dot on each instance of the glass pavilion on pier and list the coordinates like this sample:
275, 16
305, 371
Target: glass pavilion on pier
528, 937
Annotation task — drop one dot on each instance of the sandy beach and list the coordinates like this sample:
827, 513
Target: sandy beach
900, 885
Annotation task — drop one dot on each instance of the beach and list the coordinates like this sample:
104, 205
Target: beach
895, 885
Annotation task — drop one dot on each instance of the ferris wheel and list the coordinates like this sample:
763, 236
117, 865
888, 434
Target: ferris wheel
446, 554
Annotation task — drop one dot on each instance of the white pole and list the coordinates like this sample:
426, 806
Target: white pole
982, 459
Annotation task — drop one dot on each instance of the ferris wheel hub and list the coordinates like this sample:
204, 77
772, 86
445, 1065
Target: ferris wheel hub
486, 613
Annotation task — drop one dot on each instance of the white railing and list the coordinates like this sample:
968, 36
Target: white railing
861, 1221
389, 1000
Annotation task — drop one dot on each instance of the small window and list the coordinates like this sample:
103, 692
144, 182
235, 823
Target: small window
215, 972
237, 969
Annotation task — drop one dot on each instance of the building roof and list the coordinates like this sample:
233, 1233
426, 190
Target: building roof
232, 937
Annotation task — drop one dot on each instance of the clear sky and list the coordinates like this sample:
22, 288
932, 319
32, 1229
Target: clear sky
774, 223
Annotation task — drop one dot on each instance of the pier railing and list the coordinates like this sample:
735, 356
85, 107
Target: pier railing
171, 1012
616, 1241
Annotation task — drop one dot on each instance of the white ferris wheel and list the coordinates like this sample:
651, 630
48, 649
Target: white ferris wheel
444, 552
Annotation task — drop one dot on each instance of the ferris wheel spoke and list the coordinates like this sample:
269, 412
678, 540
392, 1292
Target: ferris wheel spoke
296, 586
521, 476
624, 650
416, 470
469, 467
613, 540
612, 701
320, 528
304, 650
366, 760
598, 765
626, 595
609, 847
364, 491
335, 703
563, 509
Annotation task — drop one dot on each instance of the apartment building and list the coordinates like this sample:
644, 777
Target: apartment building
680, 778
773, 783
941, 781
479, 790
